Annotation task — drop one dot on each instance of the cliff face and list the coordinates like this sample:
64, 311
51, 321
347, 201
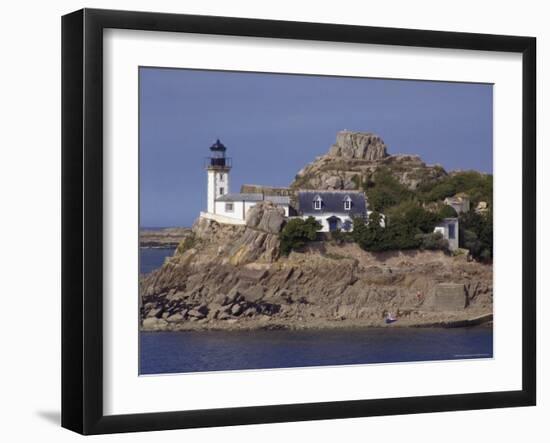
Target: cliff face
355, 157
232, 277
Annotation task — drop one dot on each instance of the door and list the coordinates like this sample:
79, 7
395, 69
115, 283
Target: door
333, 223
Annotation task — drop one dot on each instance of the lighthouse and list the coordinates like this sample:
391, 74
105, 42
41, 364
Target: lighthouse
217, 169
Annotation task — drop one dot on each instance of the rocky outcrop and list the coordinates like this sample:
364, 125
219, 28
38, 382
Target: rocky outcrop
359, 145
328, 285
265, 216
355, 159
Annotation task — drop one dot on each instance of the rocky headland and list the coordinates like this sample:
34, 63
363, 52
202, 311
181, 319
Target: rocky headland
234, 277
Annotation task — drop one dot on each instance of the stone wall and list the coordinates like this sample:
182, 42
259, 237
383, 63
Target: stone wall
449, 297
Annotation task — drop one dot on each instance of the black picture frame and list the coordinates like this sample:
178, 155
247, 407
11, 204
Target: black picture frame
82, 218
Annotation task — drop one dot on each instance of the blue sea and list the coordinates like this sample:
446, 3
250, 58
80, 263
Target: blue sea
153, 258
175, 352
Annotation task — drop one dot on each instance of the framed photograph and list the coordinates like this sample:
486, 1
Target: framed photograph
269, 221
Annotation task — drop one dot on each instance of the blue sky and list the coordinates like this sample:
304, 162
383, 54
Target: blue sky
273, 124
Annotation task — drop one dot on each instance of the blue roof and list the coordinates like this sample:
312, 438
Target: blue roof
332, 202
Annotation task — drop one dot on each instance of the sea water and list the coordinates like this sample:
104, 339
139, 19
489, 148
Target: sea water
153, 258
172, 352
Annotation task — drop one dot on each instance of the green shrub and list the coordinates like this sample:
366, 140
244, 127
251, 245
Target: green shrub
384, 190
433, 241
297, 232
411, 213
447, 212
478, 186
339, 236
406, 224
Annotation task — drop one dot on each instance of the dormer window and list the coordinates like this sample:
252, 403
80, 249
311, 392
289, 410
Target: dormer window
317, 203
347, 203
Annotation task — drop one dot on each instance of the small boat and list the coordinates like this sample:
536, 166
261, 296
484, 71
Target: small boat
390, 318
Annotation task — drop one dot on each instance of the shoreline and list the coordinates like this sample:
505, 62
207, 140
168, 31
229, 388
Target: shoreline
161, 325
162, 238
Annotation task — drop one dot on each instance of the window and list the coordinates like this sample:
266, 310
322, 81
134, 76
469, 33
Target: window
317, 203
452, 232
220, 176
347, 203
229, 207
222, 191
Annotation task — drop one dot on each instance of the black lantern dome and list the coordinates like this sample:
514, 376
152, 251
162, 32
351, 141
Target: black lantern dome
217, 159
218, 146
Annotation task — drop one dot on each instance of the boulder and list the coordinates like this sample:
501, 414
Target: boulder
236, 309
156, 312
177, 317
259, 241
198, 312
358, 145
154, 324
266, 216
214, 310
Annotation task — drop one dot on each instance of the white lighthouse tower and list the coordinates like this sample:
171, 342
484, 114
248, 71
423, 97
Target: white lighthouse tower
217, 167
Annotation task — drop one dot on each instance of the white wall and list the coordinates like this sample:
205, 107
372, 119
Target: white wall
443, 228
210, 192
30, 178
215, 182
237, 211
322, 219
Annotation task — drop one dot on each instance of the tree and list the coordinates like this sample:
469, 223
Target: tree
476, 234
447, 211
410, 213
384, 190
406, 225
297, 232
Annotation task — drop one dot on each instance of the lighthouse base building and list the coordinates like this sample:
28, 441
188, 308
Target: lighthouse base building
224, 206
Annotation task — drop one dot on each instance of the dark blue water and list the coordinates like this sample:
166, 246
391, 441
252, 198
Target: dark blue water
152, 258
169, 352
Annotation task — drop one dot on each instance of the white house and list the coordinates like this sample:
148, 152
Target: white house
448, 227
332, 209
222, 205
